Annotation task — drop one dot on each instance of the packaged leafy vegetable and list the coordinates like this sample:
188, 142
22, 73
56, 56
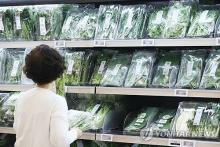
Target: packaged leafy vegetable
117, 70
157, 21
107, 22
178, 18
138, 121
103, 59
140, 71
191, 68
131, 22
7, 26
13, 66
203, 24
73, 61
167, 70
211, 74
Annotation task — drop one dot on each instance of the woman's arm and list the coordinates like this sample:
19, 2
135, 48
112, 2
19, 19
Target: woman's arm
60, 136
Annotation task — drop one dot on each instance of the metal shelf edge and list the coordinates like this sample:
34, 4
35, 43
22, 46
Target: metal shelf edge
80, 89
15, 87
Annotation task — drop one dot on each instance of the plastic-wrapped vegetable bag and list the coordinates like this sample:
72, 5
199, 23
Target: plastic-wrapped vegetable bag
191, 68
2, 64
131, 22
203, 24
178, 18
117, 70
107, 22
211, 74
167, 70
140, 71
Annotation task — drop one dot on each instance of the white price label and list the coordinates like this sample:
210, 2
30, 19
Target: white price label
181, 92
99, 43
203, 16
174, 142
95, 109
159, 17
188, 143
101, 67
18, 21
43, 30
166, 69
189, 68
147, 42
15, 68
198, 116
218, 41
116, 69
70, 67
2, 28
59, 44
106, 137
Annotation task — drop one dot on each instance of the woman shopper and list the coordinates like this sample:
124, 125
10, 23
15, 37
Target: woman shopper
40, 115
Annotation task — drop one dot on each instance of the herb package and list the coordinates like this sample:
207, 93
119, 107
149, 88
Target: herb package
117, 70
138, 121
211, 74
167, 70
131, 22
108, 19
103, 59
23, 23
73, 61
140, 70
178, 18
157, 21
203, 24
191, 68
13, 66
6, 23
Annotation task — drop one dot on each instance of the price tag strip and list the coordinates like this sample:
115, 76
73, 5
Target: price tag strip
181, 143
181, 92
147, 42
99, 43
218, 41
59, 44
106, 137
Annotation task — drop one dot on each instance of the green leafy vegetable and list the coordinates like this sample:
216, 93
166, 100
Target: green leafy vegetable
178, 18
191, 69
167, 70
117, 70
140, 70
203, 24
211, 74
107, 22
131, 21
8, 18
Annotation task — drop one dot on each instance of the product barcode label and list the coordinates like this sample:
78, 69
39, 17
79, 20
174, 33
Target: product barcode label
116, 69
159, 17
99, 43
147, 42
43, 30
218, 41
189, 68
198, 116
203, 16
181, 92
70, 67
174, 142
106, 137
59, 44
2, 28
95, 109
101, 67
18, 21
15, 68
138, 66
188, 143
175, 17
167, 67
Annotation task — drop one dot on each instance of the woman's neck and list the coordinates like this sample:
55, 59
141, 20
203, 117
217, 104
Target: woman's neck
45, 86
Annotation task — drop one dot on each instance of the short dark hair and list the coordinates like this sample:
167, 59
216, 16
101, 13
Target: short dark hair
44, 65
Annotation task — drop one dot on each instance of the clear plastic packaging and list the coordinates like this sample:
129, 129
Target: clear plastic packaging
131, 22
103, 59
140, 71
73, 61
117, 70
167, 70
13, 66
211, 74
191, 68
178, 18
2, 64
203, 24
107, 22
157, 21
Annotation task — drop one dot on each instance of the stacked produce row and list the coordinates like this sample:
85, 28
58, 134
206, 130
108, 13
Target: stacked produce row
80, 22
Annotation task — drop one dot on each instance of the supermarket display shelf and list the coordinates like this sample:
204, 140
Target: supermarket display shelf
117, 43
155, 141
80, 89
7, 130
15, 87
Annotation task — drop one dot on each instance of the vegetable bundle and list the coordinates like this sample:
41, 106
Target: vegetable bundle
203, 24
167, 70
191, 68
211, 74
131, 22
107, 22
117, 70
140, 70
178, 18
